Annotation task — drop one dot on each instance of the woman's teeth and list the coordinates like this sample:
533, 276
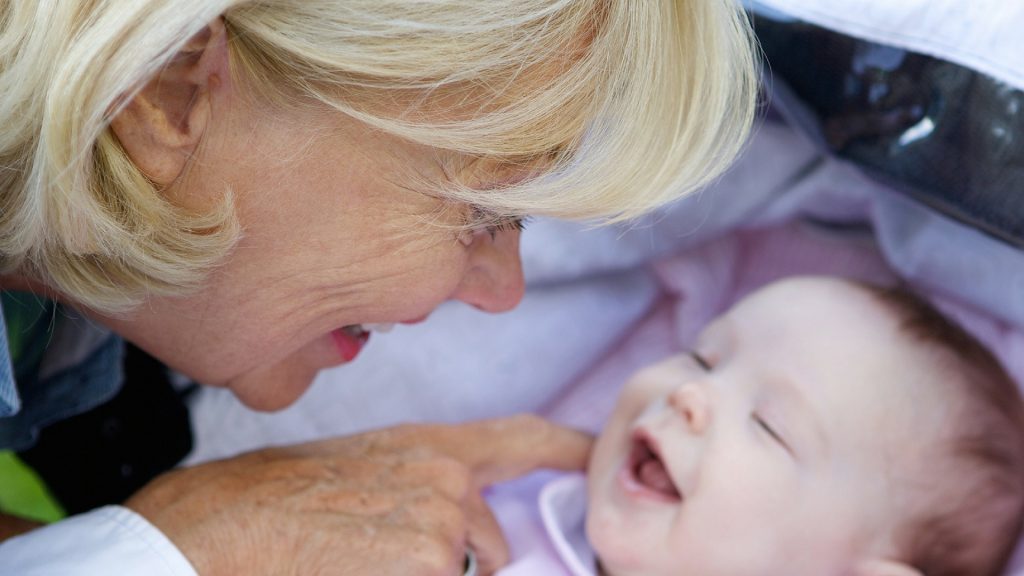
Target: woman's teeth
354, 330
357, 330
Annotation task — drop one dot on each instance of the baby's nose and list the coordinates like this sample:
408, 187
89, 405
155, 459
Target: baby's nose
691, 402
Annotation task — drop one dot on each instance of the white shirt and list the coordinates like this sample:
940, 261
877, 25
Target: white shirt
105, 541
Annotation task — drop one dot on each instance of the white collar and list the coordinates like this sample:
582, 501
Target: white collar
563, 509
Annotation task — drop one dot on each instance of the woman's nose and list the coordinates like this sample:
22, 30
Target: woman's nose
690, 401
493, 281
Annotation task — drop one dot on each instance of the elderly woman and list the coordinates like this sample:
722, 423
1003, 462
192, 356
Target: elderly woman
242, 188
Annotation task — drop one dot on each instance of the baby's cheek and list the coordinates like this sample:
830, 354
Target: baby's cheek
597, 528
612, 546
633, 399
601, 471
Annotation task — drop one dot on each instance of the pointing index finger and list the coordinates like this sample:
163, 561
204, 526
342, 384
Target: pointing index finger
506, 448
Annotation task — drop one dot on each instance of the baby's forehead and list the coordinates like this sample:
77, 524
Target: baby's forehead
813, 307
816, 291
846, 350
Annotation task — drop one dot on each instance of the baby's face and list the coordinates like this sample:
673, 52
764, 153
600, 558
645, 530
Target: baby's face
782, 445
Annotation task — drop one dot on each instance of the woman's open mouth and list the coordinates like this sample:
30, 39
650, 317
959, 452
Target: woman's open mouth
645, 472
350, 340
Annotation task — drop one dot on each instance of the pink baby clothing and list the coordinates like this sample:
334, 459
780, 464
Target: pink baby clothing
542, 515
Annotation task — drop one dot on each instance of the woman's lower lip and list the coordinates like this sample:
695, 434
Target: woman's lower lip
348, 344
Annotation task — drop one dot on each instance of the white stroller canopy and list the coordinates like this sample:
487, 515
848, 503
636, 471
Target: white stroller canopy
984, 35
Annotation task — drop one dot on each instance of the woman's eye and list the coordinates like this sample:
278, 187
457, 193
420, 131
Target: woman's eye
701, 361
771, 431
484, 221
507, 225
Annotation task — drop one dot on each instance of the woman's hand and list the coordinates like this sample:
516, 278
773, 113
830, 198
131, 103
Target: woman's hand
402, 501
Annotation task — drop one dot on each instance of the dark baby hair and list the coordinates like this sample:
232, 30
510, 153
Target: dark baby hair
972, 529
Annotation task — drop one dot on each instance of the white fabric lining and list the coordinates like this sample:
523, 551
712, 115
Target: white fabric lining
983, 35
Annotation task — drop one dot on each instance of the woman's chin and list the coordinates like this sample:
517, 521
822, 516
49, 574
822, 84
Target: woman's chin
279, 386
272, 388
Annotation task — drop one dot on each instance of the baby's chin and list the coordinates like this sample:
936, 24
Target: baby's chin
596, 538
605, 538
618, 534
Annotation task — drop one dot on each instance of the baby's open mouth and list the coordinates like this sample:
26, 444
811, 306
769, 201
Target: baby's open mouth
648, 470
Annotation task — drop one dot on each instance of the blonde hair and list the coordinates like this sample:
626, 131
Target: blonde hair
630, 104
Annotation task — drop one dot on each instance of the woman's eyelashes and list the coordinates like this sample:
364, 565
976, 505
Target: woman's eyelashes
507, 225
483, 220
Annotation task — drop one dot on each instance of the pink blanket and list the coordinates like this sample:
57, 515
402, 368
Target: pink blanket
601, 302
697, 285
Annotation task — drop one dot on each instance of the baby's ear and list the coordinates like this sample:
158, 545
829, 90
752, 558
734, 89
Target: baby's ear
886, 568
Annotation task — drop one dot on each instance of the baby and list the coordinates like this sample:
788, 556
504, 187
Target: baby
819, 428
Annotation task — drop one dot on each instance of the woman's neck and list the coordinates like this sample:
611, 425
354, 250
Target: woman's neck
19, 283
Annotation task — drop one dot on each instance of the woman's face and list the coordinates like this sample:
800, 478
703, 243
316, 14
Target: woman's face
333, 236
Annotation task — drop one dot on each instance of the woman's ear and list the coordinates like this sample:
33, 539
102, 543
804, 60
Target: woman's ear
161, 127
886, 568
